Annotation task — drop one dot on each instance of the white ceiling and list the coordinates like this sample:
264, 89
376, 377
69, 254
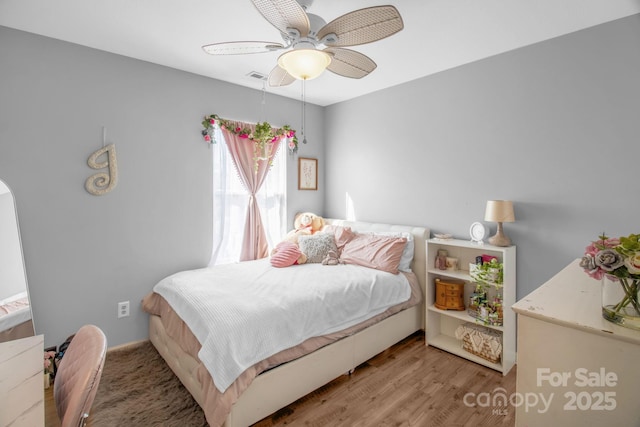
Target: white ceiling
438, 34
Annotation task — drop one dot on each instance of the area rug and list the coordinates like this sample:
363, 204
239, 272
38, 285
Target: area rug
137, 388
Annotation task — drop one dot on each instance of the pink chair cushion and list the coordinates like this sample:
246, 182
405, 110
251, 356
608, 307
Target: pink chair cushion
78, 375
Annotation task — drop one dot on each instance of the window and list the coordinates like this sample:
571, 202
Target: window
230, 200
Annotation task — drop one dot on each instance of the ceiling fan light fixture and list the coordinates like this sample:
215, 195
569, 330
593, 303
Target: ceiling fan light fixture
304, 64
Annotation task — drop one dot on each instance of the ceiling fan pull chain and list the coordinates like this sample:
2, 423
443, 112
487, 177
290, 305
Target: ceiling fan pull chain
263, 102
304, 110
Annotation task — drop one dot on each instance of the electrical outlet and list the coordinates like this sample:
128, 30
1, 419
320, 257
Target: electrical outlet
123, 309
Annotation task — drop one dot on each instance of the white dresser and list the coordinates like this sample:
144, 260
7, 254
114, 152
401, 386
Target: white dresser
574, 367
21, 382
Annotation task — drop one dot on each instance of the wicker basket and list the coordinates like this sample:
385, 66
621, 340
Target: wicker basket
482, 342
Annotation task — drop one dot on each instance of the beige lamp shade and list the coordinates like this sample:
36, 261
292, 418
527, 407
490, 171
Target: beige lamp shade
304, 64
499, 211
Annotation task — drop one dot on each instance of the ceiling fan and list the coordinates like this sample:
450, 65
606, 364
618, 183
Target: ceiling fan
313, 45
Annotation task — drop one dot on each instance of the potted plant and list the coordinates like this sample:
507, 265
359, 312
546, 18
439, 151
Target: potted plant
488, 273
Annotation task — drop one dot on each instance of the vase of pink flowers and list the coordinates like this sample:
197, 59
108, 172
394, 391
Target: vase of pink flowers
615, 262
49, 359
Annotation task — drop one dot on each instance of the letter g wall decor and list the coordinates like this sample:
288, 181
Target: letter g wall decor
103, 182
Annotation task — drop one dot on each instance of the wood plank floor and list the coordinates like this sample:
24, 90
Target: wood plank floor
50, 415
409, 384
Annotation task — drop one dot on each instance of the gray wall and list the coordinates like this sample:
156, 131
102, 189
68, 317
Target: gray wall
553, 127
85, 253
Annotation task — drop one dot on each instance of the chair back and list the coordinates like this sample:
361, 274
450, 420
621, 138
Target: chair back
78, 376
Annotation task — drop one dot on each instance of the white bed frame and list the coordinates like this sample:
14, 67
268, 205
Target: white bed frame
299, 377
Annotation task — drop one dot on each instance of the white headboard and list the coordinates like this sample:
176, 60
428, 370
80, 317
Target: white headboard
420, 236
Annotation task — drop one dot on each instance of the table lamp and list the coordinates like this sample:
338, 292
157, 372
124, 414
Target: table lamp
499, 211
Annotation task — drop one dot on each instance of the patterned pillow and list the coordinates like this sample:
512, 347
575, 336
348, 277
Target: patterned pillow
317, 246
286, 254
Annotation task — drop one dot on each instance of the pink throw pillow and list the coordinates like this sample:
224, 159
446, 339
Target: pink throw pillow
374, 251
286, 254
341, 234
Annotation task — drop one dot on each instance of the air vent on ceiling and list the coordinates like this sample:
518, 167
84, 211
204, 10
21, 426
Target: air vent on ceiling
257, 75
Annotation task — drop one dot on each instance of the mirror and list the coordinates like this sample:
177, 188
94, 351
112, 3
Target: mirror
16, 320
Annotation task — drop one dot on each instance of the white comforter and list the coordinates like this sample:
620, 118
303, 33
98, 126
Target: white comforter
243, 313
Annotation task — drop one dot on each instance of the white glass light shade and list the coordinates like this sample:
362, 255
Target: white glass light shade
304, 64
499, 211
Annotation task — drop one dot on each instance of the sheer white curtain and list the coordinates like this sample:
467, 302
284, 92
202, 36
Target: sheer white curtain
230, 201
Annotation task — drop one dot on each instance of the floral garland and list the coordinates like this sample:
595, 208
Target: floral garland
263, 134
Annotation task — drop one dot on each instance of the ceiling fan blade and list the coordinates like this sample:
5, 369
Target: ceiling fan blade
362, 26
241, 48
284, 14
349, 63
279, 77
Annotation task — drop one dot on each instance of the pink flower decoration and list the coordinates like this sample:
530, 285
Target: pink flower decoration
238, 129
243, 135
591, 250
292, 145
213, 122
207, 138
596, 274
274, 139
591, 253
598, 245
47, 356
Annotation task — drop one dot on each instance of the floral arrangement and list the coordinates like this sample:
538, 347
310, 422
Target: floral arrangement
484, 310
49, 356
263, 134
488, 275
619, 260
619, 257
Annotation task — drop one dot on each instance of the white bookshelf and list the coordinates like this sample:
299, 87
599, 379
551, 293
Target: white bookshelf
442, 324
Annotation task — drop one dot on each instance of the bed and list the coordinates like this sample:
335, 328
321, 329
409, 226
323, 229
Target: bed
296, 371
15, 317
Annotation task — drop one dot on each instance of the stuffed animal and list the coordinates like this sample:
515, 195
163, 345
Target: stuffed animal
305, 224
310, 221
332, 259
287, 253
293, 235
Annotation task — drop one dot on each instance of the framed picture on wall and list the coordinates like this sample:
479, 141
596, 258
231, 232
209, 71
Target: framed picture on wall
307, 174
